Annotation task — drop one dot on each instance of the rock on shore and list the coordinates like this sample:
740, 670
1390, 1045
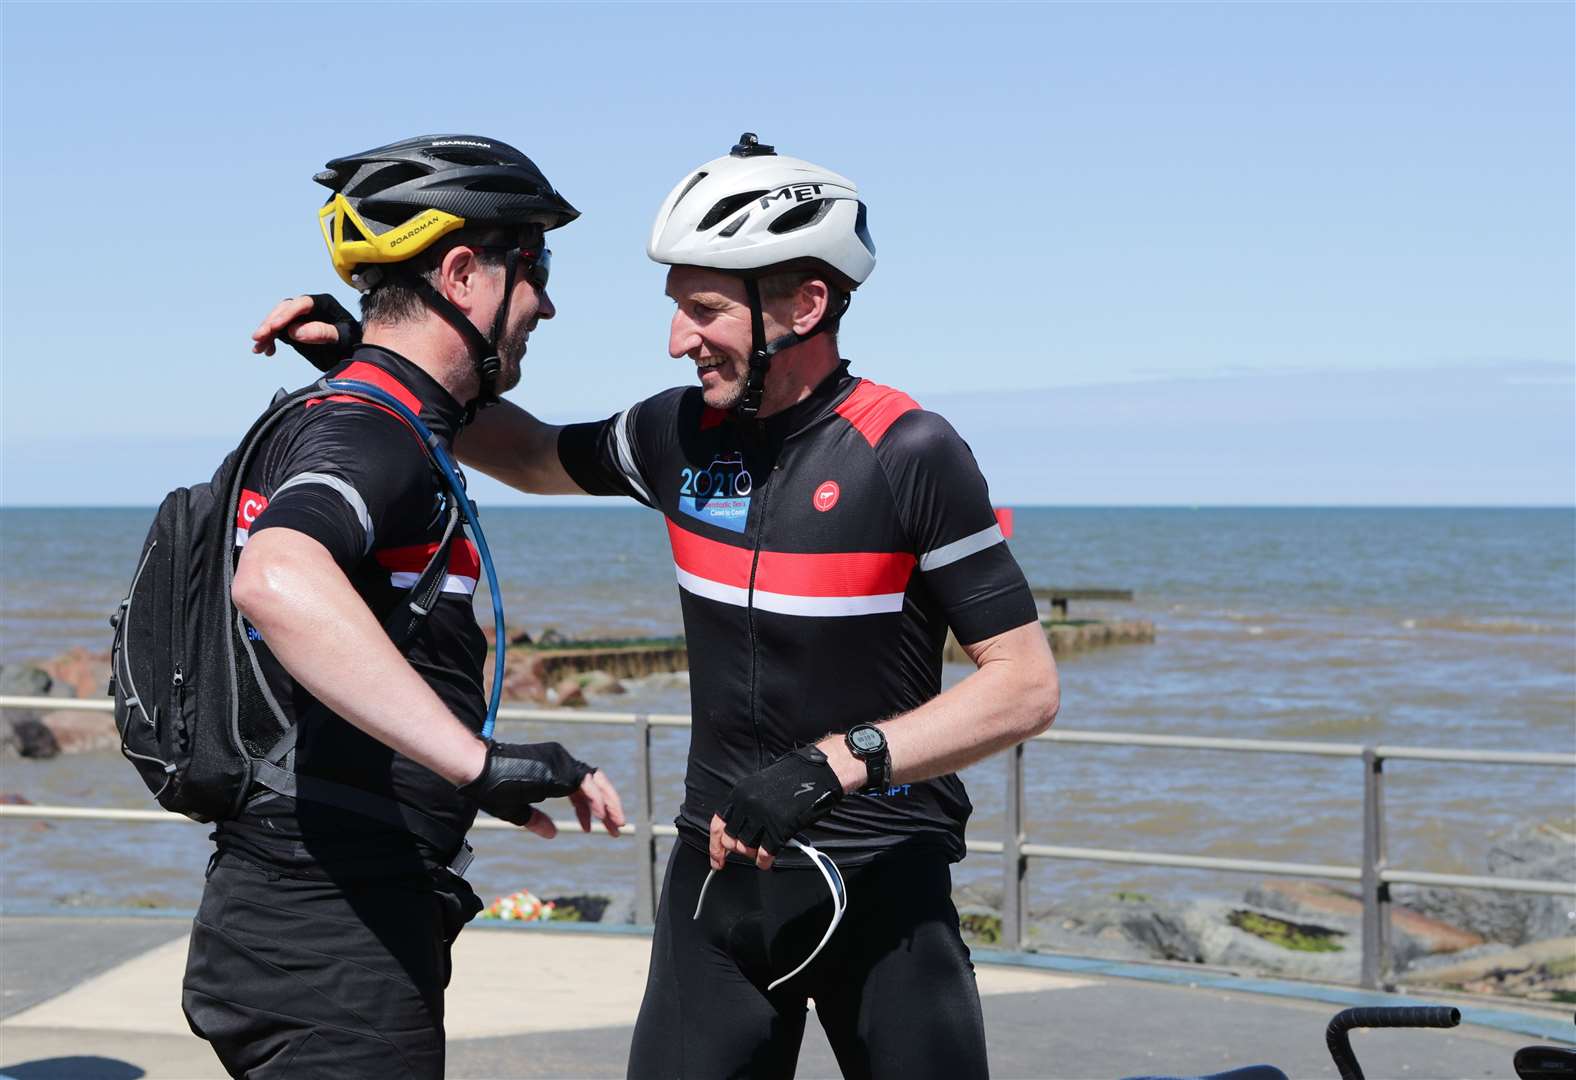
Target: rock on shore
1542, 852
33, 733
536, 675
1507, 943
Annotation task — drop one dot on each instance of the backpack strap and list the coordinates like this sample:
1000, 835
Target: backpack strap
403, 622
275, 771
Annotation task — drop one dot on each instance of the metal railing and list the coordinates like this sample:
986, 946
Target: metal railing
1374, 875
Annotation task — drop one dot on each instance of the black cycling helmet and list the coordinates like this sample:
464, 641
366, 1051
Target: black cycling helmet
391, 203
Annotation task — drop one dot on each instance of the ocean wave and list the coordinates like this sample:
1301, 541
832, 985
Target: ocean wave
1499, 624
1317, 727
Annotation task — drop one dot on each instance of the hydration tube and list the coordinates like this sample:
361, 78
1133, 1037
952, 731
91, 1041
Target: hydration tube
456, 482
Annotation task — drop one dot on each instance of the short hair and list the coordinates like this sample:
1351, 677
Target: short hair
395, 298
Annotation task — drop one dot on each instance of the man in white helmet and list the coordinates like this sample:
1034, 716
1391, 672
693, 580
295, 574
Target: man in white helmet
826, 534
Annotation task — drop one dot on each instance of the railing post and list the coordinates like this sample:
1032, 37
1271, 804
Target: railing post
645, 840
1376, 894
1013, 878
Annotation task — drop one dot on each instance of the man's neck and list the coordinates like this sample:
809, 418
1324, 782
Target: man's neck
432, 345
796, 372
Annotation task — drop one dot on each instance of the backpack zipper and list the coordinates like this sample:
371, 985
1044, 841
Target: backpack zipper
177, 716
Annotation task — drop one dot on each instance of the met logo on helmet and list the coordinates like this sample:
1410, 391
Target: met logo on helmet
796, 192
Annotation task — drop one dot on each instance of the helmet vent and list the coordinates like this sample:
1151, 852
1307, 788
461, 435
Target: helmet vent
464, 157
689, 187
727, 206
381, 180
503, 185
862, 230
801, 216
735, 225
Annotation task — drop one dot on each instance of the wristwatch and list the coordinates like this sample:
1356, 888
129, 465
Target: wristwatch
868, 743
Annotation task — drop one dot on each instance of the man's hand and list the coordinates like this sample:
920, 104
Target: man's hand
515, 776
767, 808
318, 327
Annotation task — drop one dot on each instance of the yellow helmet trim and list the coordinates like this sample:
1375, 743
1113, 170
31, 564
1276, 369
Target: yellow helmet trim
398, 244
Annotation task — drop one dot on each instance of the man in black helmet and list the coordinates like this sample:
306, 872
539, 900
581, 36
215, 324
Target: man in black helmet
827, 532
321, 947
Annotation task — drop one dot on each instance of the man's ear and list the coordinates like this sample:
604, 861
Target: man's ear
810, 303
457, 277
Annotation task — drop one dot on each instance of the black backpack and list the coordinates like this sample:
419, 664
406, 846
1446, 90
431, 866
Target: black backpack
195, 713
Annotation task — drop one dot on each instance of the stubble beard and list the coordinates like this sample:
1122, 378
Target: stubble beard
511, 355
731, 393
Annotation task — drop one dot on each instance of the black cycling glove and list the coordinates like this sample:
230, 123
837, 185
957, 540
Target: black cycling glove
517, 775
329, 310
767, 808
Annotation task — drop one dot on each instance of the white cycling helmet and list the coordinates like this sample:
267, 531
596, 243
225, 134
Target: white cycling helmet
753, 213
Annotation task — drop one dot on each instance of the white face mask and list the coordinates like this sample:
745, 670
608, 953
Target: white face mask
834, 883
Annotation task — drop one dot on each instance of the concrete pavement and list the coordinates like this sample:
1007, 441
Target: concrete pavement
98, 997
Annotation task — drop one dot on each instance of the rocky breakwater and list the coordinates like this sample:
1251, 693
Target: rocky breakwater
1529, 944
551, 669
1476, 941
45, 733
548, 670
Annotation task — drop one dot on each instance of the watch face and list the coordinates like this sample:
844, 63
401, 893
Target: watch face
866, 740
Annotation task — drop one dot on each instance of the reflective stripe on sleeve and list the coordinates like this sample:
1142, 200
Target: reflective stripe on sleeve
947, 554
626, 457
351, 496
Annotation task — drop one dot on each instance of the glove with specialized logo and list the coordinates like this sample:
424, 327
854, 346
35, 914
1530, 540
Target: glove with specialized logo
327, 357
767, 808
518, 775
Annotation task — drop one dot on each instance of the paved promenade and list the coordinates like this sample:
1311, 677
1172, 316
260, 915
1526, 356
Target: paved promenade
98, 998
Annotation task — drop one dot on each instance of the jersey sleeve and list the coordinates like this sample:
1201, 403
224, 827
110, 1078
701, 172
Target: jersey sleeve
345, 476
945, 506
614, 456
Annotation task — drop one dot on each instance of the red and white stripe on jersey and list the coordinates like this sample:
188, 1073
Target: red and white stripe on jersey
873, 408
790, 583
405, 565
246, 512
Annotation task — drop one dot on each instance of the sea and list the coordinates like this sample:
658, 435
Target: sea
1451, 628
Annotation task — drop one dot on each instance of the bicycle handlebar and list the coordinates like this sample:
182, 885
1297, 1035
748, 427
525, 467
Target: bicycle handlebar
1383, 1016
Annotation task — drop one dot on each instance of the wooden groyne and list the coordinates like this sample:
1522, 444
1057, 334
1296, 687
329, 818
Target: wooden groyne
1077, 635
630, 660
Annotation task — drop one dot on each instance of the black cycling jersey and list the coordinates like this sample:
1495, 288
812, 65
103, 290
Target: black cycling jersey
353, 476
822, 554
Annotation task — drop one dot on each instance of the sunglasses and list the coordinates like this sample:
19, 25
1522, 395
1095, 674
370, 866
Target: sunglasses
834, 884
535, 264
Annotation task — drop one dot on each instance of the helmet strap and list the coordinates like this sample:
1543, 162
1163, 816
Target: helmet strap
762, 351
483, 348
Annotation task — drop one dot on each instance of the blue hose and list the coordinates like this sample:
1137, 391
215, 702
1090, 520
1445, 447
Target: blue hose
456, 482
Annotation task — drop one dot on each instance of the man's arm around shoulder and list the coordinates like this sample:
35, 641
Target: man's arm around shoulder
509, 444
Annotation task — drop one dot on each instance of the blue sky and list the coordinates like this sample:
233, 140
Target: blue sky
1207, 254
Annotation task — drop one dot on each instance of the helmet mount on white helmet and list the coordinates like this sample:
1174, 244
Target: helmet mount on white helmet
753, 213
